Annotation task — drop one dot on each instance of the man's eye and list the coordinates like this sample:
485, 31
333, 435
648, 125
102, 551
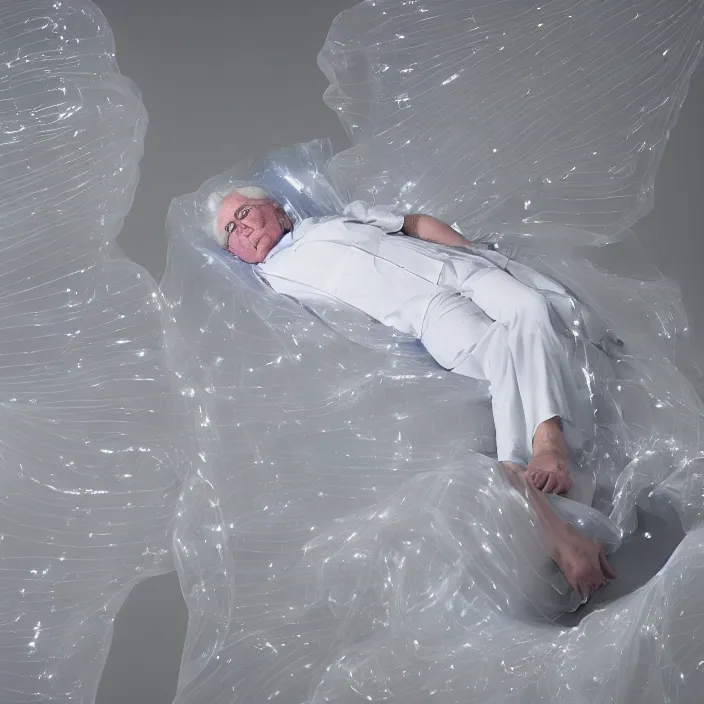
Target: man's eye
243, 213
229, 227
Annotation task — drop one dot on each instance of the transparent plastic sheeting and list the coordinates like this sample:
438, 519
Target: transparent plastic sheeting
342, 533
349, 537
91, 432
531, 112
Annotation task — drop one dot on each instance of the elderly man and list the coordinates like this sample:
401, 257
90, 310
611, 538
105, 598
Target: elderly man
473, 317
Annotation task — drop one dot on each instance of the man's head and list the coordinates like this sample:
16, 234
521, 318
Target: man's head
248, 222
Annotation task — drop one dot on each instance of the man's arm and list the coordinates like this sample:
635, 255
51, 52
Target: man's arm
426, 227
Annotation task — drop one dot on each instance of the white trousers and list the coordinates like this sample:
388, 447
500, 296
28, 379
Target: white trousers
488, 325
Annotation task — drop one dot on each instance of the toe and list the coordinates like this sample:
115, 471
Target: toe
539, 479
551, 484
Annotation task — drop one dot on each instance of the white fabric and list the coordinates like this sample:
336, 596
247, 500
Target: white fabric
497, 328
341, 535
353, 259
472, 317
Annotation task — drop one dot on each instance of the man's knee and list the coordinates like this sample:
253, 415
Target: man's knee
532, 308
452, 328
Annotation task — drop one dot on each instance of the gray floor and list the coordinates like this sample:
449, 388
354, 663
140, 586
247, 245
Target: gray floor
224, 81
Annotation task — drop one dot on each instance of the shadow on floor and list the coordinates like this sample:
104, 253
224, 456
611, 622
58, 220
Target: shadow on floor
154, 615
636, 561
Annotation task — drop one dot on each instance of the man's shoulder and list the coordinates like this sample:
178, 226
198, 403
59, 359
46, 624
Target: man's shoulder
313, 222
315, 228
312, 237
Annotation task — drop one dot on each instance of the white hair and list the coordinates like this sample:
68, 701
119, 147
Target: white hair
214, 203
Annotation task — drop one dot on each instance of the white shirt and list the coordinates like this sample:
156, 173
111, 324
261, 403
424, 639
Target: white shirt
353, 258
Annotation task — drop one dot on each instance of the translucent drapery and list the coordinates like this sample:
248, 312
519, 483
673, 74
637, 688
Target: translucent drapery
93, 428
349, 537
342, 533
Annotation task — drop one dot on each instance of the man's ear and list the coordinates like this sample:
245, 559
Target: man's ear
284, 219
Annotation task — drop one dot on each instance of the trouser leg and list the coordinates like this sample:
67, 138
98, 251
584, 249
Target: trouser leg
501, 330
543, 372
493, 354
461, 337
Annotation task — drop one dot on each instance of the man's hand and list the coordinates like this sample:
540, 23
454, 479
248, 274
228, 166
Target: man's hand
581, 560
430, 229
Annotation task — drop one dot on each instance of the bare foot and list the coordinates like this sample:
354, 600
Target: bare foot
579, 558
549, 469
582, 561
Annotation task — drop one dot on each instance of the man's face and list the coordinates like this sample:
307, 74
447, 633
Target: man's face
253, 227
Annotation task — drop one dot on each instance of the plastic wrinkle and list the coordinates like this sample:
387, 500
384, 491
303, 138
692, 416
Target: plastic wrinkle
367, 547
92, 430
341, 530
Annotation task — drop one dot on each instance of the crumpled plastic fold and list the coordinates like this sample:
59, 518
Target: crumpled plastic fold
348, 536
341, 530
94, 430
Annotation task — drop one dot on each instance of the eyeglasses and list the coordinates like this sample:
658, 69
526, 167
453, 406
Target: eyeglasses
240, 214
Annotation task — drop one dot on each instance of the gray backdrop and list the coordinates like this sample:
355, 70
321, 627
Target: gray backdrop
224, 80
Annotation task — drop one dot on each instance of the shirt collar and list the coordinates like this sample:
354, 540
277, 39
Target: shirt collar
283, 243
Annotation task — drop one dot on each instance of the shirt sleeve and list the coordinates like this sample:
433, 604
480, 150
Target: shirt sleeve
380, 217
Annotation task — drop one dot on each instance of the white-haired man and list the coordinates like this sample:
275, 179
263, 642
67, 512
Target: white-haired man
473, 317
